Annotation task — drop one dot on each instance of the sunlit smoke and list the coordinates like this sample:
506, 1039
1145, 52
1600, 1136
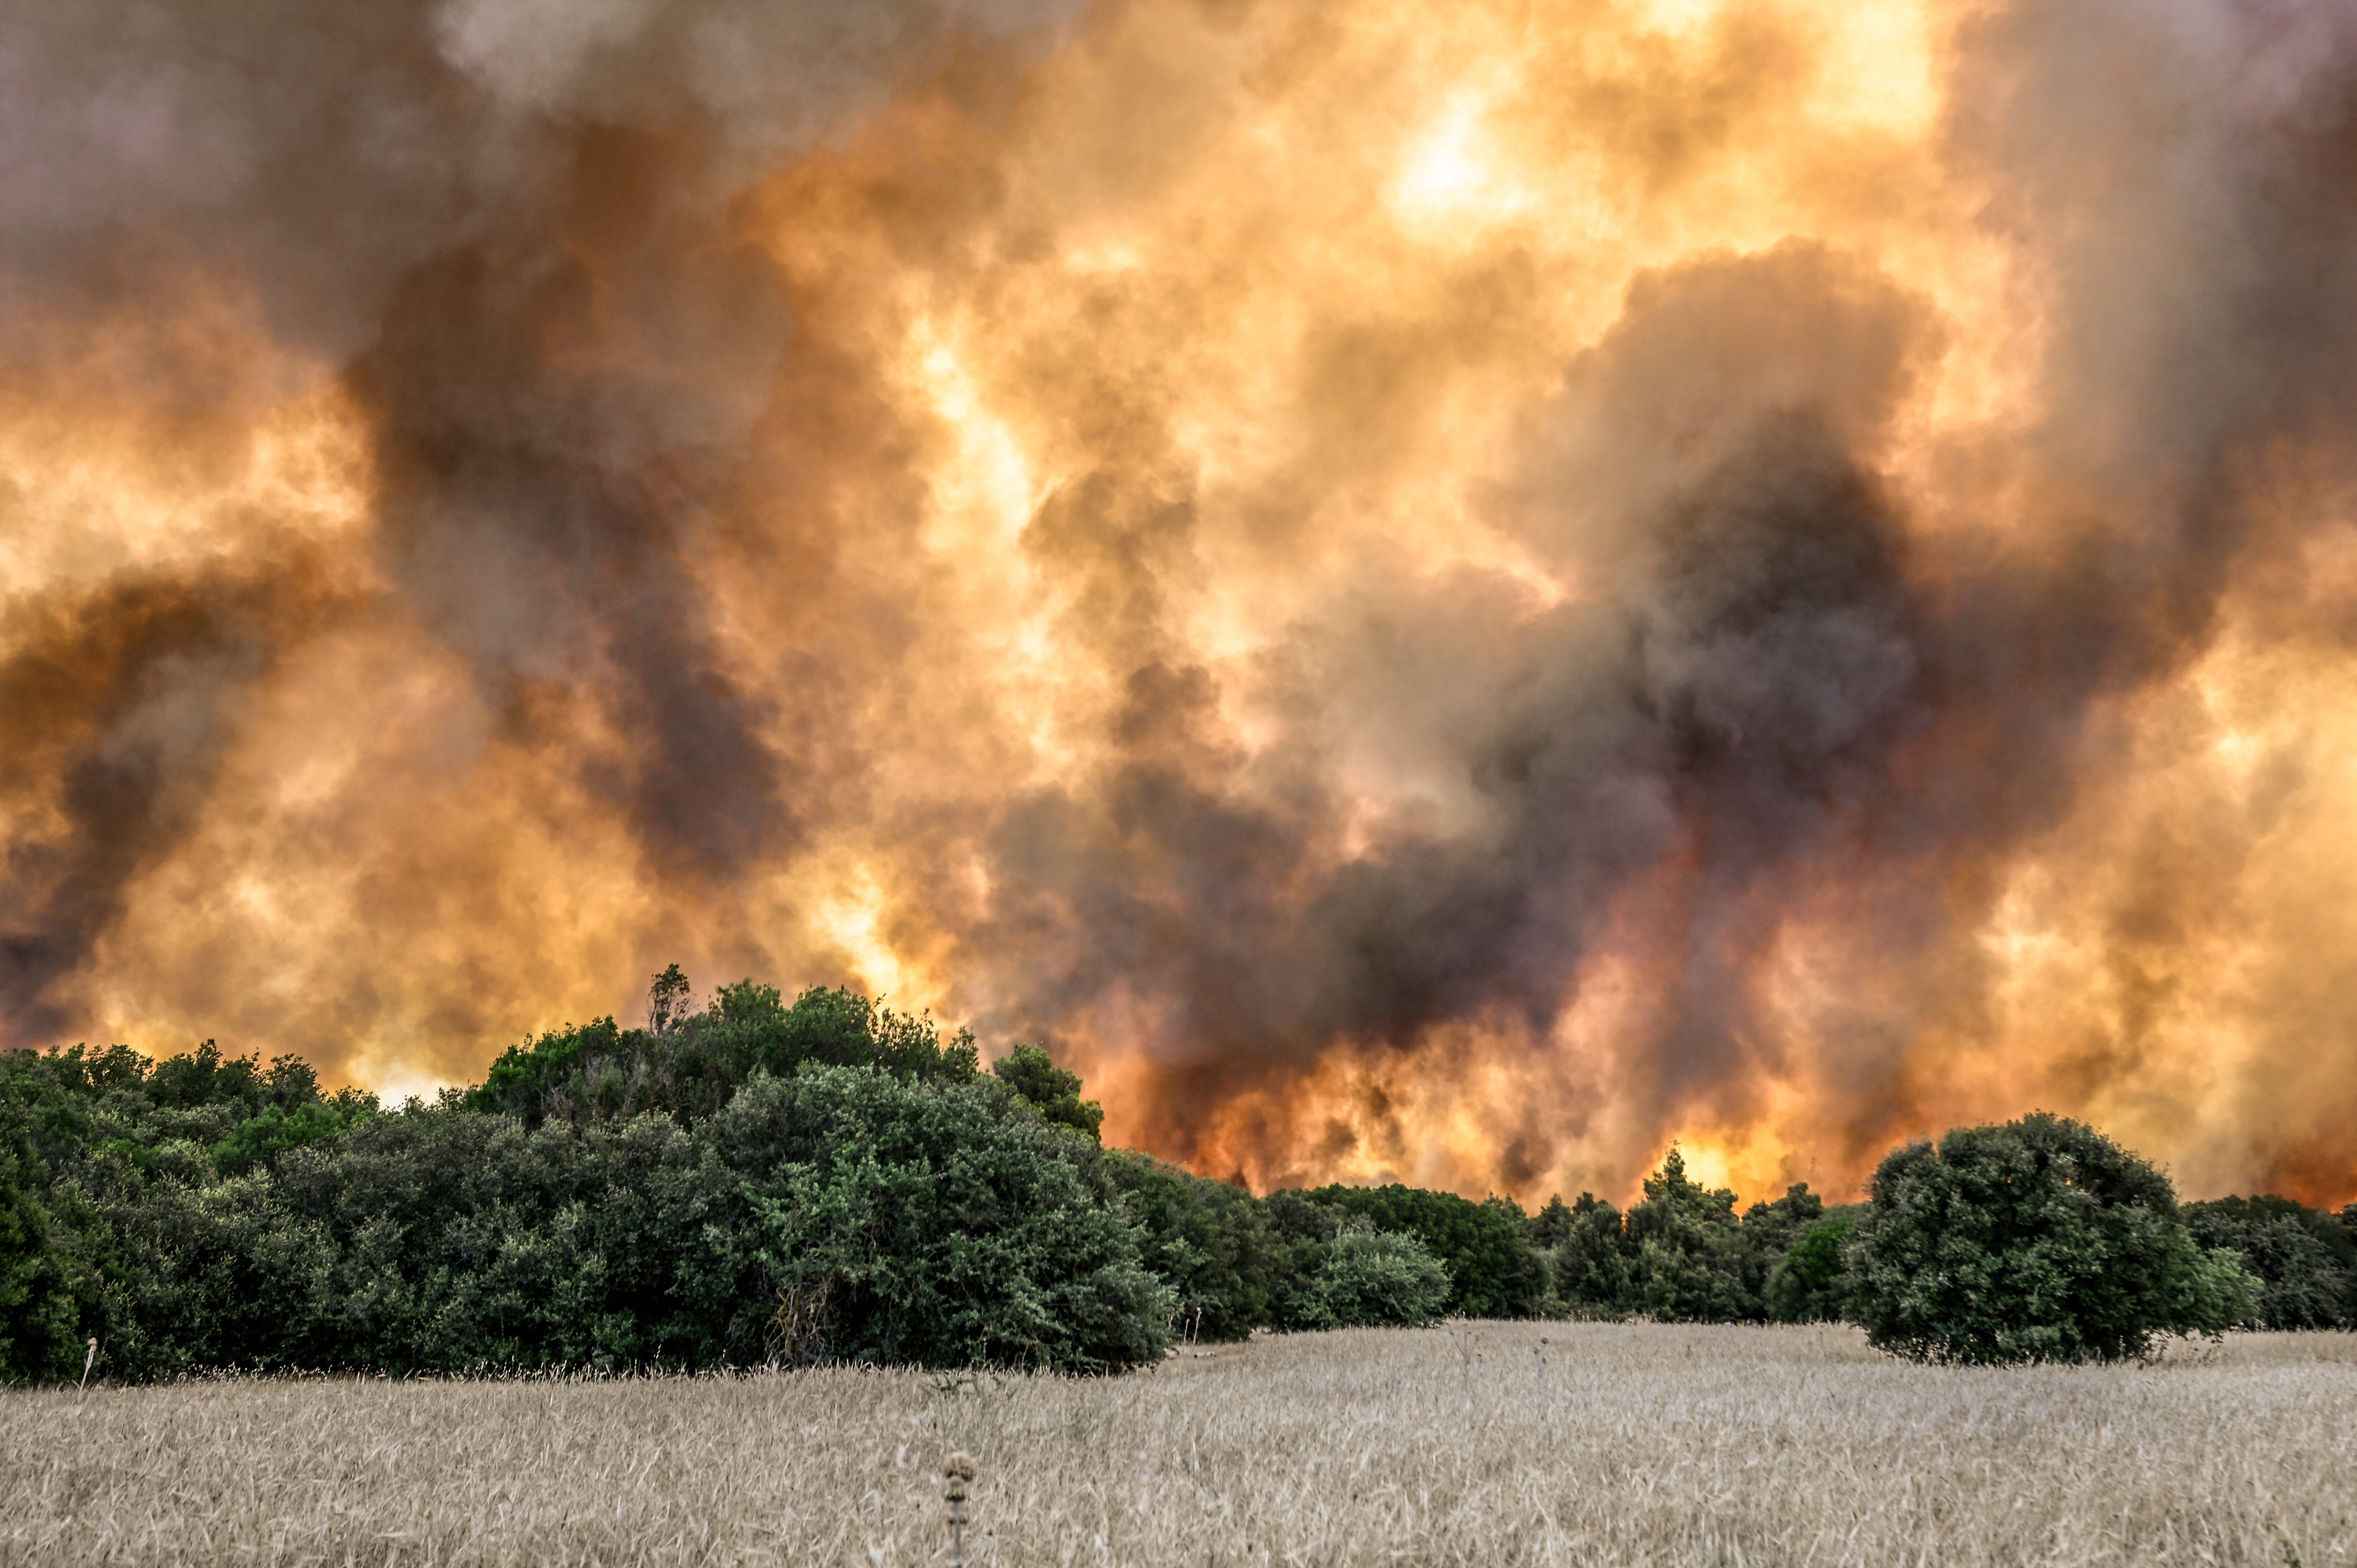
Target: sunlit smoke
1437, 596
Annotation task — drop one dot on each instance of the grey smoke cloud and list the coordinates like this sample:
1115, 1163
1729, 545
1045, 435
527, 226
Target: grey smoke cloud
1735, 688
505, 225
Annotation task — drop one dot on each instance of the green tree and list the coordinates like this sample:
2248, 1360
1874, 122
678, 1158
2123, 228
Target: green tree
1372, 1279
1808, 1283
690, 1068
2305, 1259
1493, 1270
1551, 1226
38, 1313
2038, 1241
1590, 1267
1307, 1231
1048, 1090
262, 1138
936, 1230
667, 998
1688, 1258
1210, 1241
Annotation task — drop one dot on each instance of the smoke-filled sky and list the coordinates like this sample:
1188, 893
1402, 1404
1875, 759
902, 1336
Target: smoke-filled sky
1446, 593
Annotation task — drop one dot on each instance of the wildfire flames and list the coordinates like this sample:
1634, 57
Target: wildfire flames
1446, 593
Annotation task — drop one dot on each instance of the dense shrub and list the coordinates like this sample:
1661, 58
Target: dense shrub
1682, 1254
2305, 1258
829, 1180
1213, 1243
1688, 1262
1371, 1279
2040, 1240
36, 1312
692, 1063
207, 1211
1807, 1283
1345, 1274
1048, 1090
1493, 1269
1588, 1269
933, 1227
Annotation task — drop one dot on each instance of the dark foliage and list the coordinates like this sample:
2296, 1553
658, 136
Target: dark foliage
1688, 1261
1047, 1088
1808, 1283
151, 1230
37, 1310
2305, 1258
929, 1225
1370, 1279
206, 1212
828, 1180
1683, 1255
1493, 1269
1214, 1244
2040, 1240
1345, 1274
1590, 1265
694, 1063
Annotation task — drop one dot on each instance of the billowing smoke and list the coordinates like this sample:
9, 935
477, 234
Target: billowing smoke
1442, 602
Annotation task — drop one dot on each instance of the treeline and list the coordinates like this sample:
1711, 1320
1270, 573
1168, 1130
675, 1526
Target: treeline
827, 1180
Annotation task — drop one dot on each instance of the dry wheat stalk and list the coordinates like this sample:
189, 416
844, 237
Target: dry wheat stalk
1662, 1446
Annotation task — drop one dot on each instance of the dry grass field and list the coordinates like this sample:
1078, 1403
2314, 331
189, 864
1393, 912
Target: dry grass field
1646, 1444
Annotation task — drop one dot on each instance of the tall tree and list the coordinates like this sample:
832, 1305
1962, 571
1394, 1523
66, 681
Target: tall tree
2037, 1241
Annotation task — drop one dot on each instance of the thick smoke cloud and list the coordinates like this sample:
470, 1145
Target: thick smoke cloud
500, 226
1733, 693
1449, 603
120, 707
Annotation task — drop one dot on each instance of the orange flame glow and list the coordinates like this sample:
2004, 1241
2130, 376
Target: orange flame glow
1446, 595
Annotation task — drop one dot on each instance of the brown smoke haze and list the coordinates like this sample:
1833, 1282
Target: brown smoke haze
1438, 593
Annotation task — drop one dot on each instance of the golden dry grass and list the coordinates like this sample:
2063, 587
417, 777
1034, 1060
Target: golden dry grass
1656, 1444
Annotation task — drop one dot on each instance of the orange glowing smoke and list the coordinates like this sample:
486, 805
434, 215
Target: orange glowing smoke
1446, 594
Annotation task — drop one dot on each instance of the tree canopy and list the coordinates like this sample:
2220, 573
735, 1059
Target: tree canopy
1048, 1090
2035, 1240
827, 1179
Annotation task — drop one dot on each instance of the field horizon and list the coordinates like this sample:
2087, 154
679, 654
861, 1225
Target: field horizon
1643, 1444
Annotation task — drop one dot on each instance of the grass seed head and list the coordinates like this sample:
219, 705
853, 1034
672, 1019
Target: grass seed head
959, 1471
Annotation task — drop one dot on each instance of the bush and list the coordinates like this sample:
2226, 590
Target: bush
1345, 1274
1681, 1255
1048, 1090
1375, 1279
827, 1179
1493, 1270
1807, 1283
920, 1222
1589, 1266
690, 1064
36, 1312
1689, 1262
1212, 1243
2037, 1241
2306, 1261
208, 1212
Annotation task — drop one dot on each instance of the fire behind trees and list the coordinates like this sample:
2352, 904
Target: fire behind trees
827, 1180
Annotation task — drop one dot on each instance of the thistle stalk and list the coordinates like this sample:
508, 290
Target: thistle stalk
959, 1472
